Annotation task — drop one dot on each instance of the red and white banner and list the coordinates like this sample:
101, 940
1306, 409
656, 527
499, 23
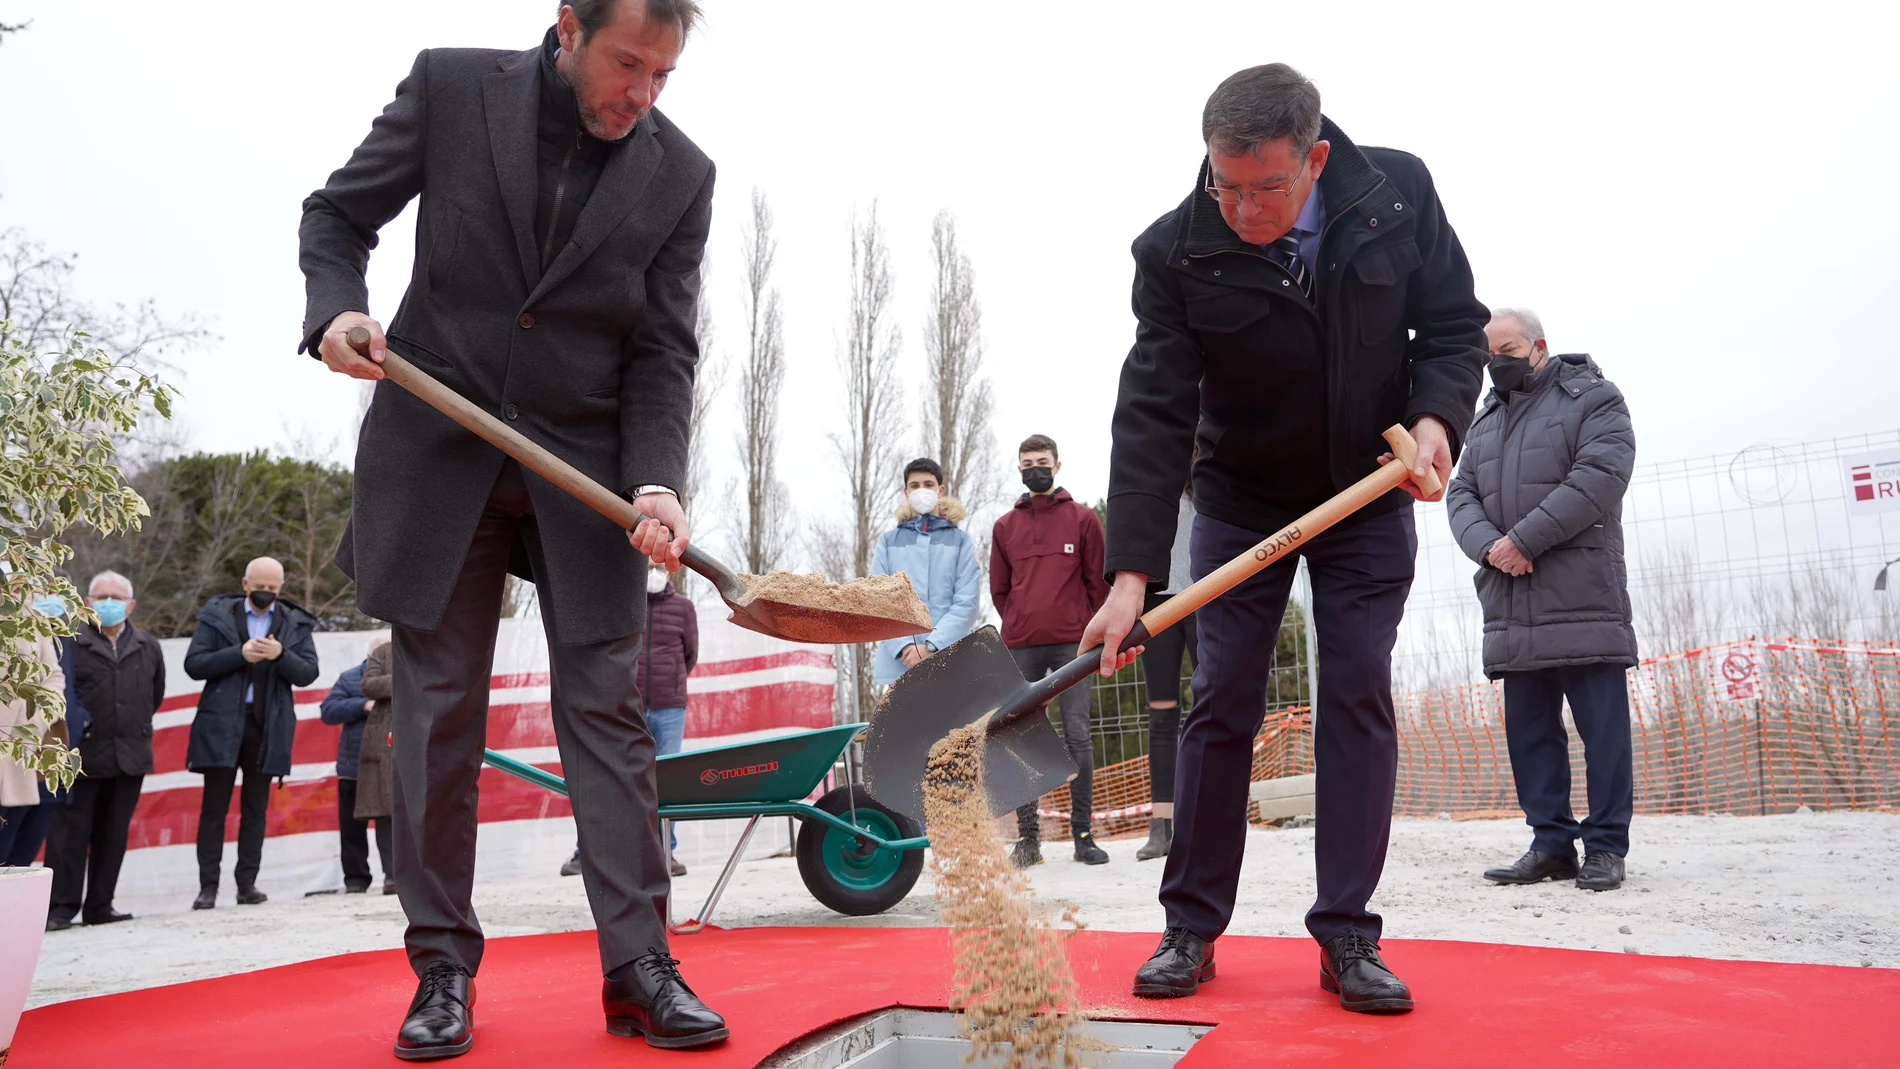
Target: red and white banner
745, 686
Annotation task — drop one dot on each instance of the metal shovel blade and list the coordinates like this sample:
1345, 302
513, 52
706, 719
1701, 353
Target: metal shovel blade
1022, 761
805, 623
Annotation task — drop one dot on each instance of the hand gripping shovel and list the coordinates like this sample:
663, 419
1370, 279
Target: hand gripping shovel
796, 611
1023, 757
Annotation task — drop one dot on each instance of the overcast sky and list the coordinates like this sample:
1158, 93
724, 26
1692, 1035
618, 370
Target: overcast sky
1701, 196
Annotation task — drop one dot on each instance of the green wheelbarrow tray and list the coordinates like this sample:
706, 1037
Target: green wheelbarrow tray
856, 839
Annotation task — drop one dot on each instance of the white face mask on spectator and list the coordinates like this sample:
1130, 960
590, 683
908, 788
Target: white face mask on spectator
656, 580
923, 500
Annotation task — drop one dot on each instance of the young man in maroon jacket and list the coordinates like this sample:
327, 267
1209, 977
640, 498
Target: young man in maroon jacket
1046, 581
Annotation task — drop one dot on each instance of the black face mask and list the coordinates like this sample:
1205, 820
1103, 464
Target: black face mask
1509, 372
1039, 480
261, 599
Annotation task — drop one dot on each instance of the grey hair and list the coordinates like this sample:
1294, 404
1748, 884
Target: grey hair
1533, 327
109, 575
1258, 105
682, 15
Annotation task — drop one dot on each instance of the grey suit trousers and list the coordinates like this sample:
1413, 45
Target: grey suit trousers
440, 682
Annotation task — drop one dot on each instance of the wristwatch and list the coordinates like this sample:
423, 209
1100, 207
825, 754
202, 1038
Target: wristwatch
654, 488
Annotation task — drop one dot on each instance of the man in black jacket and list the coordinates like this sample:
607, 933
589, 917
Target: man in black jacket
560, 226
118, 675
1306, 295
251, 649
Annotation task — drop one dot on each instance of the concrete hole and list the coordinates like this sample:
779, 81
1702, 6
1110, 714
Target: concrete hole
930, 1039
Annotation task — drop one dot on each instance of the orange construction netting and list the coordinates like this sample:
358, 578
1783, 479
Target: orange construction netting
1747, 728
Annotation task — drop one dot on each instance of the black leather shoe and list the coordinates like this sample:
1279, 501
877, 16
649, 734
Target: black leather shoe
441, 1018
57, 923
1180, 965
1349, 967
356, 889
1160, 839
251, 896
207, 898
1601, 871
572, 866
647, 996
1087, 852
1027, 852
1535, 867
110, 916
389, 887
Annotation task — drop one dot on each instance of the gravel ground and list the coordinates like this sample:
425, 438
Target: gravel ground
1821, 888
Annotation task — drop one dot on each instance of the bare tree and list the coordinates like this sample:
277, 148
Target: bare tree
38, 304
957, 402
708, 380
868, 447
764, 525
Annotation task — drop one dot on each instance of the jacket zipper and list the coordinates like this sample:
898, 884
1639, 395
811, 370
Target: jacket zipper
560, 190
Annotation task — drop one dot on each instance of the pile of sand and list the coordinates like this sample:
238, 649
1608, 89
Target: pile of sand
810, 608
1012, 980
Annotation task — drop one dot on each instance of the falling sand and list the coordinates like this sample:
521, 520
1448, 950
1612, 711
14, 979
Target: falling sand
808, 608
1012, 981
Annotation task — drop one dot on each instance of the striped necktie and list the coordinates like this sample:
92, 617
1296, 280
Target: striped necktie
1286, 253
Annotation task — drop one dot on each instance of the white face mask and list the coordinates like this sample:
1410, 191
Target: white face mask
656, 579
923, 501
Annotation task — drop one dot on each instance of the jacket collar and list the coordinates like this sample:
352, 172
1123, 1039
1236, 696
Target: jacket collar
1028, 501
1348, 177
91, 635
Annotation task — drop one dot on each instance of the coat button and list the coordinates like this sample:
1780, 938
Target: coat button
1373, 222
511, 411
1183, 263
1398, 207
1286, 282
1216, 272
526, 320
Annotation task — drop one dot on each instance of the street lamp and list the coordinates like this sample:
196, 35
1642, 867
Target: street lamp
1880, 581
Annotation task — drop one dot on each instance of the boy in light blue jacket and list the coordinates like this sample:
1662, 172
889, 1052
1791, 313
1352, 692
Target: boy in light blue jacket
940, 559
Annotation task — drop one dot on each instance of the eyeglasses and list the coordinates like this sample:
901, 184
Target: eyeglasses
1235, 196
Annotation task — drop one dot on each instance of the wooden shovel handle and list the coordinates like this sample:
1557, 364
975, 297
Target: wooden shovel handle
531, 455
1348, 501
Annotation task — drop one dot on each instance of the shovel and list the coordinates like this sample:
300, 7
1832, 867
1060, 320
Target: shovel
794, 608
1023, 757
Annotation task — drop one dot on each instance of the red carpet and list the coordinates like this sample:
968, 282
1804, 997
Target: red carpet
1479, 1004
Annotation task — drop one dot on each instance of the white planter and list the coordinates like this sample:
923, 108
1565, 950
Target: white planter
23, 897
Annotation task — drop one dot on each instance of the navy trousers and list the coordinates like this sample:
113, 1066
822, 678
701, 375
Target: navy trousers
1540, 755
1362, 572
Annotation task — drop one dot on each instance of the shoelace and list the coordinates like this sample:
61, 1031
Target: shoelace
437, 979
1173, 939
1356, 948
662, 966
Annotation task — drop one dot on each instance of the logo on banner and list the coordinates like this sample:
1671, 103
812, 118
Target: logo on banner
1736, 678
1873, 481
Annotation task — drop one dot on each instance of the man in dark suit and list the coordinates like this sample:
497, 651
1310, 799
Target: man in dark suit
1305, 295
556, 278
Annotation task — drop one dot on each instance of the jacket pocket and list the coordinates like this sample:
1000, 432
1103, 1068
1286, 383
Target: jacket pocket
1224, 311
1383, 273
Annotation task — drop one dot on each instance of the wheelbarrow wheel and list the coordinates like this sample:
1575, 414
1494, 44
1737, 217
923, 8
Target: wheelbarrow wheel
848, 877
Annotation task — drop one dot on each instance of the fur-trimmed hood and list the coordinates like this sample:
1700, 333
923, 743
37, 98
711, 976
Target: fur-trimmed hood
948, 507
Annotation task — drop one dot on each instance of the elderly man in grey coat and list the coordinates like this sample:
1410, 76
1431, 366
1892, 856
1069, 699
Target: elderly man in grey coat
1538, 503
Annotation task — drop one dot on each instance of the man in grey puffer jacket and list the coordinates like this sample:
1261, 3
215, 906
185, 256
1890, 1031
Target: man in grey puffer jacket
1538, 503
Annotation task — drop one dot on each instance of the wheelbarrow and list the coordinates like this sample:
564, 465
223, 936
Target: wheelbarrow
856, 855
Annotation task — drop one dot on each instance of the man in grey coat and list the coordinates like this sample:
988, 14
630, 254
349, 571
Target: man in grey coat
559, 234
1538, 503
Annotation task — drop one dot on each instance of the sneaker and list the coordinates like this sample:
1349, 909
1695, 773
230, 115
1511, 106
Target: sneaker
1027, 852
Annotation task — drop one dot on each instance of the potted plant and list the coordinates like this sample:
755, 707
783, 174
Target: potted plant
23, 897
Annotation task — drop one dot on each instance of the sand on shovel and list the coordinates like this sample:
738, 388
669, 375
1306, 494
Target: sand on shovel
810, 608
1011, 982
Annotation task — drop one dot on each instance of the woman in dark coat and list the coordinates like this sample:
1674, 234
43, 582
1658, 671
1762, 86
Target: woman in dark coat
372, 765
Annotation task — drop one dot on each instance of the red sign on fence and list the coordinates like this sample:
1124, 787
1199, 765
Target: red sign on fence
1873, 481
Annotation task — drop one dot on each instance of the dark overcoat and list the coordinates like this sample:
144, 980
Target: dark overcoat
216, 656
593, 359
1547, 467
119, 688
